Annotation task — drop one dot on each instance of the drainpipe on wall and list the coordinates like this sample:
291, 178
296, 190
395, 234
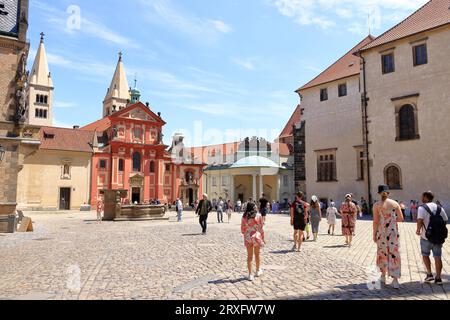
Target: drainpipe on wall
365, 100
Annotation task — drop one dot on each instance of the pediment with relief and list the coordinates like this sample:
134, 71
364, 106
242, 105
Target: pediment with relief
138, 114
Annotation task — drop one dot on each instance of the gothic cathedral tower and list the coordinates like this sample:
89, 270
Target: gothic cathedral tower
40, 90
118, 95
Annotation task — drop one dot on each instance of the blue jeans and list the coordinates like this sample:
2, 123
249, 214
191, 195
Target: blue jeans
426, 248
180, 215
219, 216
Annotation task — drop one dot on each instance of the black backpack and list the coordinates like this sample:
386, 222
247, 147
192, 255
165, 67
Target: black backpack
437, 231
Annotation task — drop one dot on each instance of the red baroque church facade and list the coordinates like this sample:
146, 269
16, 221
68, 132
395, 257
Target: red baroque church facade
129, 153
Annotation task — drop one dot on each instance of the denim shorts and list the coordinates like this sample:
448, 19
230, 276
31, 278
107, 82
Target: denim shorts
426, 248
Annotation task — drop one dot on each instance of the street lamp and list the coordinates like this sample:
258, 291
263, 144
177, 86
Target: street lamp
2, 153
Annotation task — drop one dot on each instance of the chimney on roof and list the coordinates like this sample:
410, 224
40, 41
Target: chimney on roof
159, 114
76, 127
147, 104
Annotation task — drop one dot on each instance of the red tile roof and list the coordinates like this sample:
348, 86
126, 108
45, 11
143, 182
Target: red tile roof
104, 124
63, 139
295, 118
433, 14
347, 66
284, 149
99, 126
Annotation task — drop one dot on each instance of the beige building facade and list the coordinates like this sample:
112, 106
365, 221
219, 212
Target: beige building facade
408, 91
331, 105
58, 175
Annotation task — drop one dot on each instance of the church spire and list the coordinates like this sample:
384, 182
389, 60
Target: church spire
135, 93
118, 94
40, 89
40, 74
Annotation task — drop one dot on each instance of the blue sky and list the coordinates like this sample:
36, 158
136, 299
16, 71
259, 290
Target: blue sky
231, 64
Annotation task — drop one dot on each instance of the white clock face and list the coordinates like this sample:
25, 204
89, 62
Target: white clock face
9, 13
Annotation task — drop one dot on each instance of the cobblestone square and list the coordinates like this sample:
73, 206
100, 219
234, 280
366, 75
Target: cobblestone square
70, 256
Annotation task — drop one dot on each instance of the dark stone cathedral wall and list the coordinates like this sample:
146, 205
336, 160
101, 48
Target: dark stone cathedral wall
300, 158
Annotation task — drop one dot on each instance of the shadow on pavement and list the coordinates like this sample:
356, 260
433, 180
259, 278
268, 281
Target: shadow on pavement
191, 234
228, 281
281, 252
407, 290
335, 247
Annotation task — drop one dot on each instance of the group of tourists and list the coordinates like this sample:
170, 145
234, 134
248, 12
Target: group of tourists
306, 216
387, 214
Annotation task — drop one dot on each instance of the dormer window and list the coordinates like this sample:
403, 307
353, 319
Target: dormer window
49, 135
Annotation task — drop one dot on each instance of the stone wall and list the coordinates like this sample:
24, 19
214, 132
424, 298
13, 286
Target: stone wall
299, 143
424, 162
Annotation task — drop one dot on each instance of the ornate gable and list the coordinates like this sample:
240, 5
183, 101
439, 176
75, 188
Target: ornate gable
138, 114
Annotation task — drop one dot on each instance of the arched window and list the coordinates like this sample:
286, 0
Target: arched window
189, 176
136, 162
393, 177
152, 166
407, 122
45, 99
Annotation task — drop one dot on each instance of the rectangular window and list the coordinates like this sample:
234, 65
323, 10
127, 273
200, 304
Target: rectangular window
137, 133
224, 181
102, 164
214, 181
167, 168
342, 90
388, 63
326, 167
121, 165
361, 164
420, 55
323, 94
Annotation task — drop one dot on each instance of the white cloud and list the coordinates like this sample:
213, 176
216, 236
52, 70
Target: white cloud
64, 105
221, 26
61, 124
355, 13
89, 26
202, 29
247, 64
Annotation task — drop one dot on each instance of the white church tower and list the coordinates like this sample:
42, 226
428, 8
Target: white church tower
118, 95
40, 90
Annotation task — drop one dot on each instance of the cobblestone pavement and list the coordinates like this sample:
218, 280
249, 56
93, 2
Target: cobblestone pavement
70, 256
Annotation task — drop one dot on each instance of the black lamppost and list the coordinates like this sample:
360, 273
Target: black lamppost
2, 153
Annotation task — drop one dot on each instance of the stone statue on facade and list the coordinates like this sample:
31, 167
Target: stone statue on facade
21, 92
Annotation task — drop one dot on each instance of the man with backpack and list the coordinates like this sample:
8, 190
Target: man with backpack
432, 228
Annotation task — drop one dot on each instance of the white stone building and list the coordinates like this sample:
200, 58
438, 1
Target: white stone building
407, 73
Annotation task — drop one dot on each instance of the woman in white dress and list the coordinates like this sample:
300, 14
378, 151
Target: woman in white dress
332, 212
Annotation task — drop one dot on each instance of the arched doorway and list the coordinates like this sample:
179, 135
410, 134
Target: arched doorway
191, 196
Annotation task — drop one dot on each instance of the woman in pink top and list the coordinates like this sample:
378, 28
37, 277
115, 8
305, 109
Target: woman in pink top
252, 229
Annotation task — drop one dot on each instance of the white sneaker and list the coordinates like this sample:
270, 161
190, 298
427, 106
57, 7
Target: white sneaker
395, 284
259, 273
251, 277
